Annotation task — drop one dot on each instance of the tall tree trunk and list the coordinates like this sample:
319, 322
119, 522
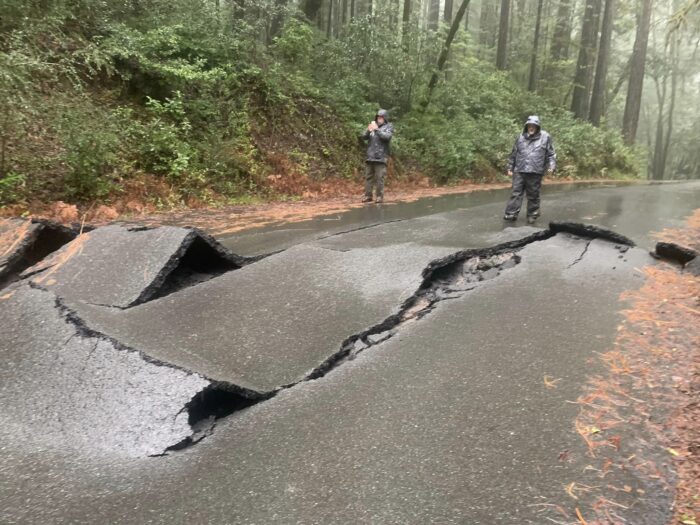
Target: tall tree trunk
630, 120
672, 105
601, 72
532, 83
562, 32
546, 34
586, 58
352, 9
344, 18
657, 163
447, 13
663, 137
501, 53
336, 17
329, 27
434, 15
406, 23
487, 23
445, 50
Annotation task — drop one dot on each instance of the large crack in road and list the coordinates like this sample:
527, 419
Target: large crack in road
198, 259
445, 278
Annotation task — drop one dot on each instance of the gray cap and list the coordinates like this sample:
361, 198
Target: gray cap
383, 113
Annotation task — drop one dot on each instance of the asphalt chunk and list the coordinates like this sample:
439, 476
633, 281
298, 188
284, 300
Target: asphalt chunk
62, 386
120, 267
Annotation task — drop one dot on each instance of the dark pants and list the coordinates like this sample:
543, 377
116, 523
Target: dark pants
525, 183
374, 174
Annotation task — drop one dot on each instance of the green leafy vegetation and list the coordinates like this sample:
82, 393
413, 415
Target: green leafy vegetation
225, 101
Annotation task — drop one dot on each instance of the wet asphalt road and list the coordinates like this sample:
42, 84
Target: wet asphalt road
448, 421
472, 219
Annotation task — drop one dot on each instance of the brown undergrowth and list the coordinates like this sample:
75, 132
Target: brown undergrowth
642, 415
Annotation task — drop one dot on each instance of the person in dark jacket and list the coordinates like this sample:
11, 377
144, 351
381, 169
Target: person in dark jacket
378, 136
532, 155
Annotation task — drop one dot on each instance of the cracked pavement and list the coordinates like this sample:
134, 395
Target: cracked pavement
383, 375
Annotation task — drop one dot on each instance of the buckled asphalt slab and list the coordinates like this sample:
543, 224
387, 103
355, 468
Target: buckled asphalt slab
121, 266
61, 387
270, 324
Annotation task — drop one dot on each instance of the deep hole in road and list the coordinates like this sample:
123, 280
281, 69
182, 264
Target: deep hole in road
198, 264
205, 408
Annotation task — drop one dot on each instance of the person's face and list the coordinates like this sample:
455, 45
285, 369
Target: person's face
531, 129
380, 120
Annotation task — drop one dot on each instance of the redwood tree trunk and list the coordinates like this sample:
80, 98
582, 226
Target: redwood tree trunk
447, 13
562, 32
487, 23
501, 53
583, 80
329, 27
532, 83
630, 120
671, 108
434, 15
406, 23
601, 72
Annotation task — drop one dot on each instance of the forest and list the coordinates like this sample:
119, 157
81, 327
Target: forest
203, 102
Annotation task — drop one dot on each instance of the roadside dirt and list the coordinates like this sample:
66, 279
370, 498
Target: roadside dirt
223, 220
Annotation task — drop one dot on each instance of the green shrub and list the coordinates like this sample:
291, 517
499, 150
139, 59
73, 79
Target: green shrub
12, 187
90, 141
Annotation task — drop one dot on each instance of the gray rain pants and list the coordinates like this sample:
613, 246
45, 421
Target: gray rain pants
374, 175
525, 183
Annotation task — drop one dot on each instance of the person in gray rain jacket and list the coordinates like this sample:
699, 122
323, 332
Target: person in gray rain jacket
533, 155
378, 136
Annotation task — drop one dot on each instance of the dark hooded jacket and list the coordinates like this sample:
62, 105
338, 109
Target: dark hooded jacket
378, 141
533, 154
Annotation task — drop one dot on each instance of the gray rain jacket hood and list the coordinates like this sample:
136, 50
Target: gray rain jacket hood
378, 141
532, 153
